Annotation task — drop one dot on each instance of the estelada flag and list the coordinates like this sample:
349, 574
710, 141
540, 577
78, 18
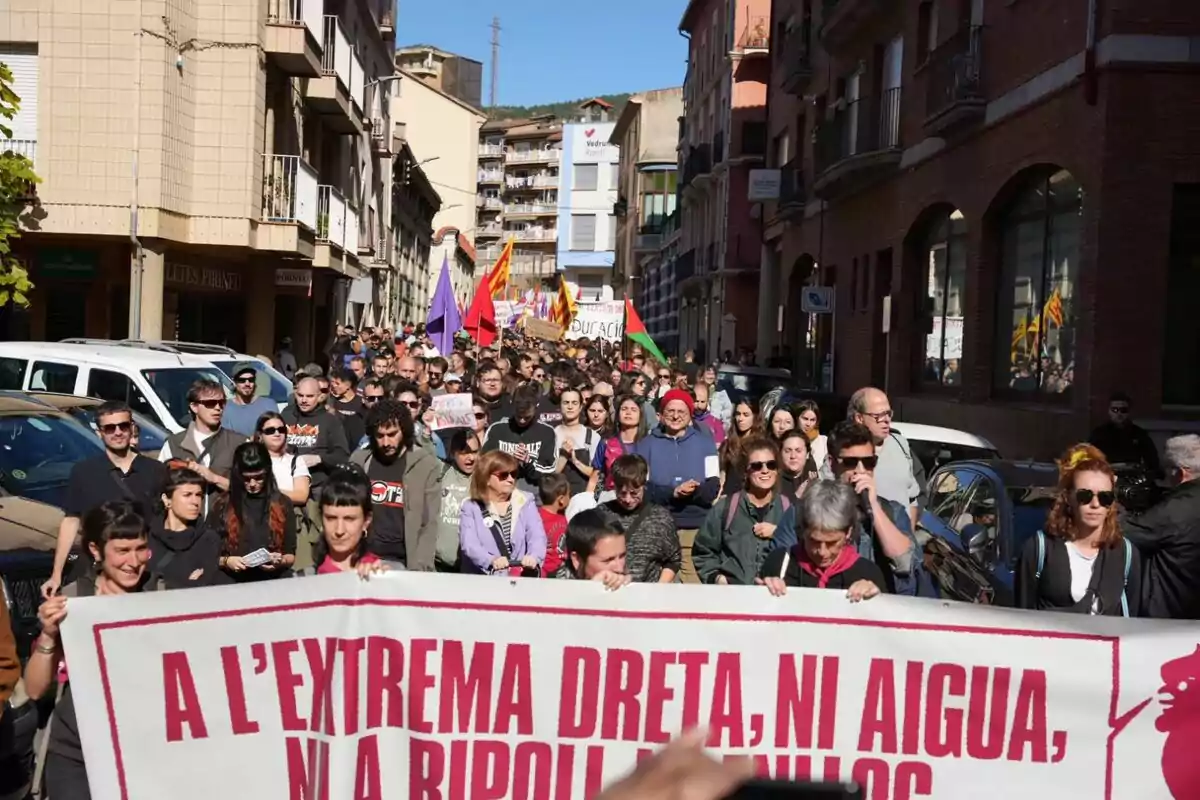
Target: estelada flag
501, 271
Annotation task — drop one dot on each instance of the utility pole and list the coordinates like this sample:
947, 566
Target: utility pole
495, 61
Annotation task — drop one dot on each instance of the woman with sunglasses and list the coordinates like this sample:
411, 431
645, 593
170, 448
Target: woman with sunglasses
1081, 564
253, 517
500, 529
115, 541
745, 426
184, 550
420, 407
743, 528
292, 477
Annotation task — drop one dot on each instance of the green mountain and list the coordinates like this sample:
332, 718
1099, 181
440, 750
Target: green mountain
564, 110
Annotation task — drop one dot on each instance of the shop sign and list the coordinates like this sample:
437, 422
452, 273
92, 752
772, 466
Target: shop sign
293, 278
220, 280
66, 262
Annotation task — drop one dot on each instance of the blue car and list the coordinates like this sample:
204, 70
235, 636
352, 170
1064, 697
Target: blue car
988, 510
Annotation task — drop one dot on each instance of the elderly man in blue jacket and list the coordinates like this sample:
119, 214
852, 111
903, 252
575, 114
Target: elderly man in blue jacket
684, 472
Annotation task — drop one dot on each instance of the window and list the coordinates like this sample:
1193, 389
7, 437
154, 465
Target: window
945, 274
586, 176
614, 176
612, 232
12, 373
50, 377
583, 231
1181, 340
1039, 240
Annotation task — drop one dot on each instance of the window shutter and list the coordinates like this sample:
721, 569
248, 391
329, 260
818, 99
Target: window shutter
583, 231
23, 62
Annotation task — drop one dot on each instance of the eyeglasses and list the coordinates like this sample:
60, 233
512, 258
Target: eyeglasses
505, 474
244, 379
480, 416
254, 477
1119, 409
371, 399
210, 404
112, 427
274, 430
880, 416
759, 466
1084, 497
323, 388
852, 462
411, 403
433, 374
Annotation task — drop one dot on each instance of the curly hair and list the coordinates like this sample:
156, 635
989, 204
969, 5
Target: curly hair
1061, 521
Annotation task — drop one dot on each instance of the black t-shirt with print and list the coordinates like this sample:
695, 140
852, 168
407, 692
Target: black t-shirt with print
387, 504
351, 413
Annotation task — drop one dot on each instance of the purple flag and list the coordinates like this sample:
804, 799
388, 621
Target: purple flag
444, 320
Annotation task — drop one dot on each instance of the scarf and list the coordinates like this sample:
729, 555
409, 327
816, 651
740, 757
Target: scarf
843, 562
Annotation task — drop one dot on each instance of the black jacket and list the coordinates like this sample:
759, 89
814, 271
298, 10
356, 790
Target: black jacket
1052, 592
176, 555
1126, 444
1168, 536
320, 433
540, 442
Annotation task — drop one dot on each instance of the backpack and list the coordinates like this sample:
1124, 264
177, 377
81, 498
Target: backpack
1041, 562
735, 500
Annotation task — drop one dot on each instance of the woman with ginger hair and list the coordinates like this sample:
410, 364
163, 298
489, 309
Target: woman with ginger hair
1081, 564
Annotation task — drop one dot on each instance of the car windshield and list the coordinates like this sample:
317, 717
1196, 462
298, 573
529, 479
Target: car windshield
1031, 507
741, 386
172, 383
151, 435
37, 452
270, 383
935, 454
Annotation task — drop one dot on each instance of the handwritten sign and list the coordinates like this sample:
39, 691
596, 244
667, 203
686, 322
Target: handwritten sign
542, 329
452, 411
599, 321
425, 686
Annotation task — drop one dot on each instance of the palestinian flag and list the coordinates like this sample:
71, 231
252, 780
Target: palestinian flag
636, 332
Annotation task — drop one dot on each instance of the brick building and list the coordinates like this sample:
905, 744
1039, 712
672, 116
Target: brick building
1019, 182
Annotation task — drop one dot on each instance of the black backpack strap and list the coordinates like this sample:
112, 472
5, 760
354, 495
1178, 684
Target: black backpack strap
501, 545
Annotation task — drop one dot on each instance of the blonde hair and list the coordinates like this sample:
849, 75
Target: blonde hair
1061, 521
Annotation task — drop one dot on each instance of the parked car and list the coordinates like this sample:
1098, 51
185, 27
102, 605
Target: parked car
936, 445
151, 436
271, 382
989, 509
153, 382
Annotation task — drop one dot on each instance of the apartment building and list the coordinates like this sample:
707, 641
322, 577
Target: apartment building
211, 169
646, 133
415, 206
443, 131
1017, 183
455, 75
587, 199
722, 137
518, 185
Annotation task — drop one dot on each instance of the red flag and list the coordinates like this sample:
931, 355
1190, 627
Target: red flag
480, 323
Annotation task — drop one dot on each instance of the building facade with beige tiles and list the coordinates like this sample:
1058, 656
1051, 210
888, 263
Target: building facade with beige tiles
212, 170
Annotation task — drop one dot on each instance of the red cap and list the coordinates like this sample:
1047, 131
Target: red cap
681, 396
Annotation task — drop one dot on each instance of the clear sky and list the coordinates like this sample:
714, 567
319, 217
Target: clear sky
554, 50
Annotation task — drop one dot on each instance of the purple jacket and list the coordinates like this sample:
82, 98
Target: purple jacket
712, 425
479, 546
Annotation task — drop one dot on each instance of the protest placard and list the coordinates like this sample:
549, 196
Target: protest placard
452, 411
432, 686
542, 329
598, 321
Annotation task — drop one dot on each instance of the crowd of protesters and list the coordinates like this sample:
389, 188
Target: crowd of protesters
582, 462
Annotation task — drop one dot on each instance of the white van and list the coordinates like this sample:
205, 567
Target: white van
153, 382
271, 382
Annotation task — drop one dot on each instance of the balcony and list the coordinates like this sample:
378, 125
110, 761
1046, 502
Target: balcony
550, 155
792, 191
534, 265
381, 138
490, 176
534, 234
531, 210
649, 238
532, 182
294, 36
337, 93
953, 90
796, 52
289, 210
489, 203
697, 164
491, 231
685, 266
28, 149
491, 151
842, 20
718, 148
858, 146
755, 39
387, 26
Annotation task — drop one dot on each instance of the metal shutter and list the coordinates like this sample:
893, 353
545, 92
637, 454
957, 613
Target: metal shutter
23, 62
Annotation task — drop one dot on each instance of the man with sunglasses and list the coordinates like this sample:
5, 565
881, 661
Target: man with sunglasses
206, 446
242, 414
345, 402
117, 473
1124, 442
883, 533
435, 375
899, 476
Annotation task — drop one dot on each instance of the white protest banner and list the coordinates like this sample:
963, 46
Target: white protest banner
452, 411
599, 321
427, 686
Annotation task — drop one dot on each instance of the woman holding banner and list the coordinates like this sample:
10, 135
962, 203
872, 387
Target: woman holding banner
345, 510
500, 529
630, 429
116, 539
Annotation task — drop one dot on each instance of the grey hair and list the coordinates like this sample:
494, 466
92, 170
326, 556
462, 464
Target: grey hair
858, 401
828, 506
1183, 452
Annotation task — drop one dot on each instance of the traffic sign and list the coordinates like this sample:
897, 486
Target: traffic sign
817, 300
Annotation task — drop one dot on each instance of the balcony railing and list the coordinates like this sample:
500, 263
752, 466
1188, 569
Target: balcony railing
533, 182
954, 91
697, 163
331, 216
853, 131
531, 208
796, 52
297, 12
537, 265
490, 176
289, 191
336, 58
756, 36
490, 203
535, 234
351, 234
491, 150
20, 147
489, 231
792, 192
544, 156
